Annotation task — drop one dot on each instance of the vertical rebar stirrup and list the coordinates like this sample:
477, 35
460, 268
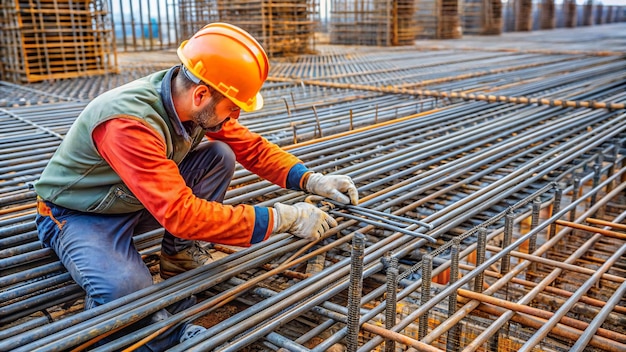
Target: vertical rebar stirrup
391, 301
354, 291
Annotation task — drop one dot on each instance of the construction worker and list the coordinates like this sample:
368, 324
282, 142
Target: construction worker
133, 160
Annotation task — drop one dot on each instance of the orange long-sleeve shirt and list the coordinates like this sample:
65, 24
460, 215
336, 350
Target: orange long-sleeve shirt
142, 164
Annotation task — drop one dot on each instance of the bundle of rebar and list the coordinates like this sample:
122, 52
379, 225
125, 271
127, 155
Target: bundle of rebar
372, 22
438, 19
523, 15
597, 16
587, 18
547, 18
482, 17
609, 14
55, 39
449, 20
569, 13
282, 27
427, 18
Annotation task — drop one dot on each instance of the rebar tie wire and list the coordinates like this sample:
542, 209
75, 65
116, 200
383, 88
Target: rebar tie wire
375, 218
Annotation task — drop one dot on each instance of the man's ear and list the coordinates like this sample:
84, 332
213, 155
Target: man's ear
200, 94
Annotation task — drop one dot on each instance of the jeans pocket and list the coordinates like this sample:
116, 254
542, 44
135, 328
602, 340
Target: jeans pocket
119, 199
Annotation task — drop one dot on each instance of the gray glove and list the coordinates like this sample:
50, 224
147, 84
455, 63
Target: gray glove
302, 219
333, 187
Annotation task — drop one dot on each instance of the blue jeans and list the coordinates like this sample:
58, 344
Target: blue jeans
98, 249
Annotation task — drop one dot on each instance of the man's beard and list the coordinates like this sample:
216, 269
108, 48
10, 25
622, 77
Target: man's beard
202, 118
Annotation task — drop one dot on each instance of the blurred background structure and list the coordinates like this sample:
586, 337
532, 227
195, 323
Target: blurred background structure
51, 39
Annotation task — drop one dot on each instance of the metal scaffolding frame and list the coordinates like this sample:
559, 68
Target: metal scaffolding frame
55, 39
373, 22
282, 27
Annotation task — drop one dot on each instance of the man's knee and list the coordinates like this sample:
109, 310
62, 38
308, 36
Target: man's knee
226, 155
121, 285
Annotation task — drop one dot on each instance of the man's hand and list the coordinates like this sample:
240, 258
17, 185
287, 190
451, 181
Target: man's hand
302, 219
334, 187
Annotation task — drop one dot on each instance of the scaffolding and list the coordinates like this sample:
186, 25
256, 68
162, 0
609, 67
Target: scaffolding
54, 39
284, 28
482, 17
587, 17
509, 16
569, 13
373, 22
547, 18
523, 15
450, 20
427, 18
437, 19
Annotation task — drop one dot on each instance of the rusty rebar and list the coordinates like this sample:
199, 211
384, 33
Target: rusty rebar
391, 301
355, 291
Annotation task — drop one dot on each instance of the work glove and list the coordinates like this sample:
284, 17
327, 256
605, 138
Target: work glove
302, 219
334, 187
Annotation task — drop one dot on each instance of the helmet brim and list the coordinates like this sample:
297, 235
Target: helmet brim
257, 103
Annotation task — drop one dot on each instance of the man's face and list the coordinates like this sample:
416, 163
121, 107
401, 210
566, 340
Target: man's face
216, 113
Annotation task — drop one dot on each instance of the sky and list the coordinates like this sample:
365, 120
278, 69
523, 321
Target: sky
614, 2
604, 2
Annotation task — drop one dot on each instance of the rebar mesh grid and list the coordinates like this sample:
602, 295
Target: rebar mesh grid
53, 39
507, 181
282, 27
373, 22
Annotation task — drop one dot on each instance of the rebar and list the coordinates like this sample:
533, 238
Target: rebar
556, 207
445, 292
480, 257
576, 183
454, 336
543, 331
391, 301
504, 317
427, 268
441, 172
532, 241
372, 22
56, 40
355, 289
593, 327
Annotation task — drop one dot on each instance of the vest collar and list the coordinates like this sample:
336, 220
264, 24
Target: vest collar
168, 102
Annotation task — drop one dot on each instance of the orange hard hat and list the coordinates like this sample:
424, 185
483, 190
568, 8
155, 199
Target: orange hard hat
228, 59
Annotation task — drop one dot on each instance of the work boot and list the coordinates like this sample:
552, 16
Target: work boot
190, 331
187, 259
